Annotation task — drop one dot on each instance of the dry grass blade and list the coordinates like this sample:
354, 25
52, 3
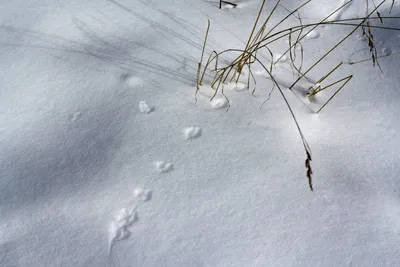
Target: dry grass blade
269, 96
202, 52
391, 7
301, 27
243, 60
371, 45
210, 59
333, 48
285, 18
198, 83
309, 171
305, 144
346, 79
369, 59
339, 43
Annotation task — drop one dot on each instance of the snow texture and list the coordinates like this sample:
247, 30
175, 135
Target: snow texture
82, 156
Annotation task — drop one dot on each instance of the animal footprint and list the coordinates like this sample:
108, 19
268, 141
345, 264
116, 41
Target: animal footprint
163, 166
119, 228
75, 116
145, 108
192, 132
386, 51
219, 102
142, 194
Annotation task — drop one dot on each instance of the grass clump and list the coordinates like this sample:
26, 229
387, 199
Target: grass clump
266, 35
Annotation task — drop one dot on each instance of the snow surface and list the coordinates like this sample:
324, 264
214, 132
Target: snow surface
106, 160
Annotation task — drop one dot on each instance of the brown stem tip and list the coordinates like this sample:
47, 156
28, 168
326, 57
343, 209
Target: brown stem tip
309, 170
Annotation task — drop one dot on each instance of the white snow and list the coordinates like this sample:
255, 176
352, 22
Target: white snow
106, 160
313, 35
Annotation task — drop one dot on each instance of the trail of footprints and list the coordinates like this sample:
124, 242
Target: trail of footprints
122, 222
125, 218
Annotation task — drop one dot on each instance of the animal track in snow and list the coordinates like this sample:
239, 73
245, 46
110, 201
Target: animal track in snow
313, 35
75, 116
163, 166
219, 102
192, 132
119, 228
386, 51
145, 108
142, 194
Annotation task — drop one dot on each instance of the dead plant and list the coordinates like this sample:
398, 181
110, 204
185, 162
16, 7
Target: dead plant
260, 40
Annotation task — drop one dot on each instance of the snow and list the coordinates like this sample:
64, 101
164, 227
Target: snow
312, 35
106, 159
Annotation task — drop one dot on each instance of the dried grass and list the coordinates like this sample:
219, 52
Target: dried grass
262, 38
